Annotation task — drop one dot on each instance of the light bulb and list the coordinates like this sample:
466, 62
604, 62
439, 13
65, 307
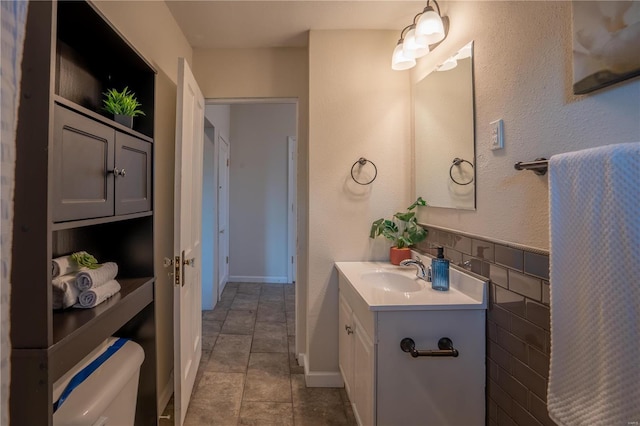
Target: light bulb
399, 61
414, 46
430, 26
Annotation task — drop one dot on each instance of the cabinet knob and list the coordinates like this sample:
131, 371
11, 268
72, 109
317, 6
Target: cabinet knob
118, 172
349, 329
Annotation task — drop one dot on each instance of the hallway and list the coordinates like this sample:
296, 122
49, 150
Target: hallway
248, 374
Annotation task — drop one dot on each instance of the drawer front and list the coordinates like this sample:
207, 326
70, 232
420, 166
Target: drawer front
133, 184
83, 155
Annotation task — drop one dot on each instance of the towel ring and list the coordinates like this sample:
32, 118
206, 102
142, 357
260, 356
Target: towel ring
456, 162
362, 161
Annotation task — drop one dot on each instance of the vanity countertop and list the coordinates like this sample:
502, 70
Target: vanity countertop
369, 280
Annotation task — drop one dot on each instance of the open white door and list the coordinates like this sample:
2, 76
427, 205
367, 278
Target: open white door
223, 213
187, 320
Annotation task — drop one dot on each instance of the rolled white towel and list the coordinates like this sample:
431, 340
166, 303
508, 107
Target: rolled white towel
90, 278
97, 295
63, 265
65, 293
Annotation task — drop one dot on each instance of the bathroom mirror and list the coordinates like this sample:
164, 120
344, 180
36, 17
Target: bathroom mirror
445, 133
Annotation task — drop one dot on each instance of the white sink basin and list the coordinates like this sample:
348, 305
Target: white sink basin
393, 281
385, 287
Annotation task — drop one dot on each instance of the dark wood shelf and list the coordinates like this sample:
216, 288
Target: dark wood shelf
71, 56
98, 221
99, 117
78, 331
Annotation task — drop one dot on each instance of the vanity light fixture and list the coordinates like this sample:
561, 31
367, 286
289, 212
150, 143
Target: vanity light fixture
447, 65
427, 29
463, 53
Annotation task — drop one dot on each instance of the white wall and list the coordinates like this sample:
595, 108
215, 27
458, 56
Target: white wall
151, 29
258, 191
358, 107
220, 117
523, 74
209, 224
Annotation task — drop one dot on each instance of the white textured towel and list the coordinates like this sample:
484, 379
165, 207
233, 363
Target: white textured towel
594, 200
89, 278
63, 266
65, 294
97, 295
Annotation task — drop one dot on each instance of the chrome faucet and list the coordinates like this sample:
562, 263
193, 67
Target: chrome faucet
422, 272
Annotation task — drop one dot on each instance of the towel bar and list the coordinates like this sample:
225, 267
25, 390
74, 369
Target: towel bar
445, 348
539, 166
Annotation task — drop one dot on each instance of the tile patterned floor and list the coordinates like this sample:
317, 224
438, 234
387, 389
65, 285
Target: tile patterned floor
248, 374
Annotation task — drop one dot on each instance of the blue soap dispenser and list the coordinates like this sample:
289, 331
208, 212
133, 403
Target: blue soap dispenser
440, 272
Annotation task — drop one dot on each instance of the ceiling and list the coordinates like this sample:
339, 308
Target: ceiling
284, 23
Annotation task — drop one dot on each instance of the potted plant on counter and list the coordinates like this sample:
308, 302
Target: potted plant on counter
402, 230
123, 105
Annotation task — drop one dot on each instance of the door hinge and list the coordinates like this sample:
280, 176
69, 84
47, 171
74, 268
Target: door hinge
227, 162
292, 260
176, 272
227, 259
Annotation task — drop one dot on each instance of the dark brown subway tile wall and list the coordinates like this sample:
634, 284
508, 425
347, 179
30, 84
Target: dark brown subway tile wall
518, 339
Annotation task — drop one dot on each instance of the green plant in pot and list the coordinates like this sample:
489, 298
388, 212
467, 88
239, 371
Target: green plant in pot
402, 230
123, 105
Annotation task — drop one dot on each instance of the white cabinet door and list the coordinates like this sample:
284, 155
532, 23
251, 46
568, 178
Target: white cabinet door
363, 376
345, 345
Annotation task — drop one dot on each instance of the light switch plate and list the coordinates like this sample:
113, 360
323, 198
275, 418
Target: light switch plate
497, 134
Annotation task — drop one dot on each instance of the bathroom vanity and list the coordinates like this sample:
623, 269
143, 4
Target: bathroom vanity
439, 384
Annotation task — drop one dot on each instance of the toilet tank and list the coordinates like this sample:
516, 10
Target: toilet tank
108, 395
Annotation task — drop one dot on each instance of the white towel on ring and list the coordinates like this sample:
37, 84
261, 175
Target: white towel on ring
65, 294
594, 200
63, 265
95, 296
89, 278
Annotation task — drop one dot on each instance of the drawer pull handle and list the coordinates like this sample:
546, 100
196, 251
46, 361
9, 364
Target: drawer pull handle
349, 329
445, 348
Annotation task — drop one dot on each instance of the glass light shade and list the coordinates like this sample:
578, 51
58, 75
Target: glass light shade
465, 52
414, 46
447, 65
399, 61
430, 26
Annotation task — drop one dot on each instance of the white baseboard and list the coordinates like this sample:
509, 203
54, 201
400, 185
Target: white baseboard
320, 379
165, 395
257, 279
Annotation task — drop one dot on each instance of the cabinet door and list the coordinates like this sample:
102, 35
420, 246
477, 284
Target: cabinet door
83, 152
133, 182
363, 375
345, 344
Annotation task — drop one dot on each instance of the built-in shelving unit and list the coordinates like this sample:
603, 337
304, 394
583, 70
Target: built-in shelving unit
71, 194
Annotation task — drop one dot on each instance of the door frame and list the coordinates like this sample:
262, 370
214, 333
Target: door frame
292, 207
222, 204
210, 217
